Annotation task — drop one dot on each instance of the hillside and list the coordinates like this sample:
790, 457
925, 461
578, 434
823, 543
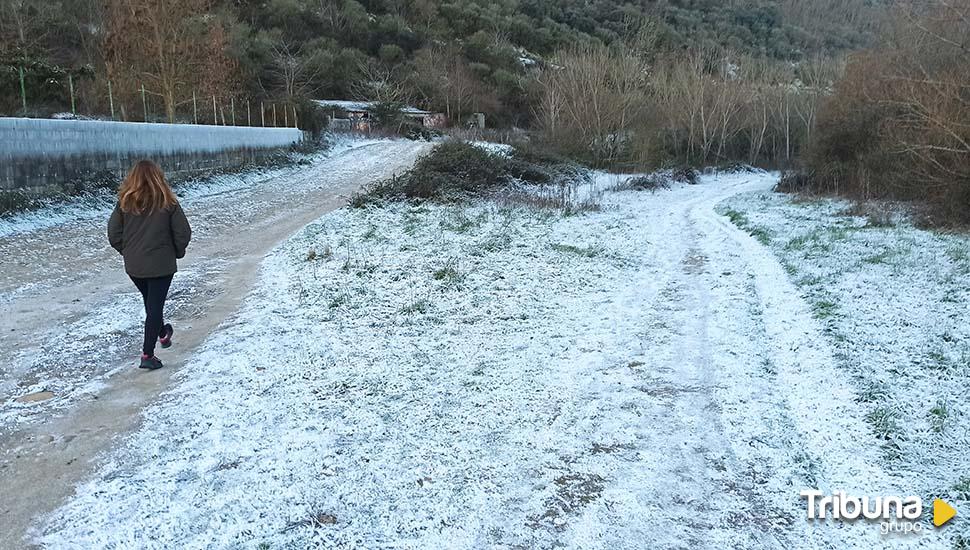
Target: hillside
384, 49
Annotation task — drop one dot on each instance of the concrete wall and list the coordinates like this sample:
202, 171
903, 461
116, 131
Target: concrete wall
41, 155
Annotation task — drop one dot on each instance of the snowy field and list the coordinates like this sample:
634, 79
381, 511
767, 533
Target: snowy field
644, 375
893, 300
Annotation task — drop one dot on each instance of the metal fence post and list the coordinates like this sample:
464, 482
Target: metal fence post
111, 100
195, 109
215, 111
262, 114
274, 115
286, 117
70, 85
295, 123
249, 115
23, 89
232, 110
144, 103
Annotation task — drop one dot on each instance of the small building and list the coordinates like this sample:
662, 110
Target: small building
358, 114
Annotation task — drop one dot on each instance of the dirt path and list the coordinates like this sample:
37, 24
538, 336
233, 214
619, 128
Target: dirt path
69, 319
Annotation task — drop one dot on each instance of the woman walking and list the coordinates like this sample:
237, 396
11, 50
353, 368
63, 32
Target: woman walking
149, 229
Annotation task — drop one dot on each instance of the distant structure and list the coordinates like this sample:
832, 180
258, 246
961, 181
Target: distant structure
358, 115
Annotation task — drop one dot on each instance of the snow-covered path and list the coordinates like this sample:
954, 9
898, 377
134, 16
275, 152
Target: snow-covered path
70, 319
644, 376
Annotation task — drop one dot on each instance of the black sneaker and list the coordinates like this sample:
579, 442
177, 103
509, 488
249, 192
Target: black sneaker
166, 337
150, 363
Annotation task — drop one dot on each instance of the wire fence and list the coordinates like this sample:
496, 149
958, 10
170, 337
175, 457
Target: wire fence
60, 96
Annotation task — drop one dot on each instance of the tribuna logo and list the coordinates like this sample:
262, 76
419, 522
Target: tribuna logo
843, 506
897, 514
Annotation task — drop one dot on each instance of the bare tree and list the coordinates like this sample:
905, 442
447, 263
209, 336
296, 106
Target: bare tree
166, 44
294, 72
442, 76
378, 83
591, 99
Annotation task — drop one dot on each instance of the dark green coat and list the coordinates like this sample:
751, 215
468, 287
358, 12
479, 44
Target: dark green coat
150, 242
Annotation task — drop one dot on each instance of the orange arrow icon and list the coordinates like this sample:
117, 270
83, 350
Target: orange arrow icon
942, 512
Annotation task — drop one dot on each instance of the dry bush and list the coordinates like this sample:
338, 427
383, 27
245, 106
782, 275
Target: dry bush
172, 47
898, 125
592, 98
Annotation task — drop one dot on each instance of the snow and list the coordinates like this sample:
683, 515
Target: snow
892, 301
492, 374
503, 149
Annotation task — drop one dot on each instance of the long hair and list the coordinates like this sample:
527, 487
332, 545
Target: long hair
145, 190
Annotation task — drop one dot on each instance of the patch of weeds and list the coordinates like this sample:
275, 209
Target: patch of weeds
449, 273
820, 247
960, 256
651, 182
412, 221
418, 306
938, 416
838, 233
458, 221
370, 234
737, 218
798, 243
824, 309
877, 215
873, 392
358, 267
768, 366
494, 242
590, 251
325, 252
576, 208
317, 520
880, 258
884, 423
763, 235
339, 300
809, 280
572, 492
937, 361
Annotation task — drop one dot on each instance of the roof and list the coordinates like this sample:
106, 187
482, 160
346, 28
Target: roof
358, 106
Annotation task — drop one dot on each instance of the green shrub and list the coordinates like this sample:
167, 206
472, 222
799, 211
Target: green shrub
311, 117
457, 169
453, 169
530, 164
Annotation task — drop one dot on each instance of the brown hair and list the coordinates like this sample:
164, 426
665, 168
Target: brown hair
145, 189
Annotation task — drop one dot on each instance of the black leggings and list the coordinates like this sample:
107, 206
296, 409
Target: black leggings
153, 292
